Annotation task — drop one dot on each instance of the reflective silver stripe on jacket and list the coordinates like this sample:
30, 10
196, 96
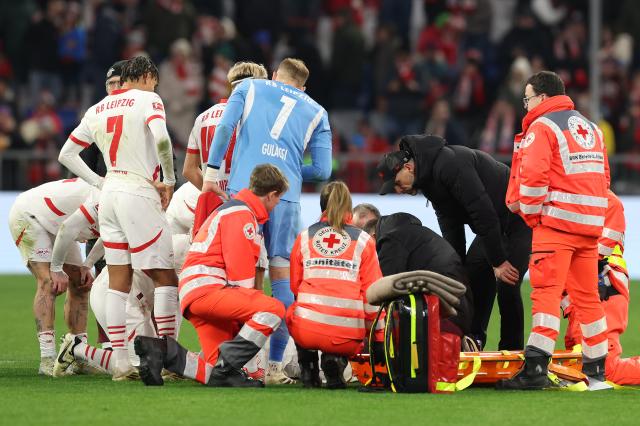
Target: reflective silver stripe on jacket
203, 246
546, 320
335, 302
533, 191
530, 208
613, 235
594, 328
202, 270
328, 319
583, 219
541, 342
570, 168
334, 274
197, 283
581, 200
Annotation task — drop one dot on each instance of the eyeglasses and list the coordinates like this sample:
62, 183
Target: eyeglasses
525, 101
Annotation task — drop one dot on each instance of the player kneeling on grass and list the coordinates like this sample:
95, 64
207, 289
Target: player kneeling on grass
217, 295
139, 310
34, 220
332, 265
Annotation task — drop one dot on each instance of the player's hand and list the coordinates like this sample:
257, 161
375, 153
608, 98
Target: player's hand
209, 186
59, 282
86, 278
507, 273
166, 193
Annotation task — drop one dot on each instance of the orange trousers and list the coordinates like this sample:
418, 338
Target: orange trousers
312, 340
565, 262
219, 314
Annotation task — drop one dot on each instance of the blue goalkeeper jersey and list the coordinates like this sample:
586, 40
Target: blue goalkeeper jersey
275, 123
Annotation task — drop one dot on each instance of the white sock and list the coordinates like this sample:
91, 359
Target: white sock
95, 357
116, 324
47, 340
82, 336
165, 310
106, 345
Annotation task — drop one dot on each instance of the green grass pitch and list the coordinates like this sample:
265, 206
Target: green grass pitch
26, 398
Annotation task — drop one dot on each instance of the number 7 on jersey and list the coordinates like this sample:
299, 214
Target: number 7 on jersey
114, 125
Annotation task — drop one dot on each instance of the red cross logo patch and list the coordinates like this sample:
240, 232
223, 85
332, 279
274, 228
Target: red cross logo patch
582, 132
329, 242
249, 231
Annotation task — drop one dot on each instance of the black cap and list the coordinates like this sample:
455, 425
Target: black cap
116, 69
389, 167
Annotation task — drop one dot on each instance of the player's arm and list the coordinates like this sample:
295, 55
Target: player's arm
222, 137
96, 253
534, 173
238, 232
67, 235
191, 169
154, 117
69, 156
320, 149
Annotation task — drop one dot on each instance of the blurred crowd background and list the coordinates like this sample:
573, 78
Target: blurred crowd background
381, 68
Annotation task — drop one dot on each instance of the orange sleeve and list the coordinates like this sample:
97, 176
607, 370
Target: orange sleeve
297, 269
537, 148
239, 250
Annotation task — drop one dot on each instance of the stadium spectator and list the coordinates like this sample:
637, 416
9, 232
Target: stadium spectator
440, 123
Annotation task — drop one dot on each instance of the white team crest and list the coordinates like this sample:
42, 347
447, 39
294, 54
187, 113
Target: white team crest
582, 132
328, 242
528, 140
249, 231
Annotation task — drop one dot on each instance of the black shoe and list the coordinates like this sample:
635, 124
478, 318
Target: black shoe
227, 376
532, 376
333, 367
309, 370
594, 370
151, 352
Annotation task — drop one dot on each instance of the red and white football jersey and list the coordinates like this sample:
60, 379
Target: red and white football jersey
52, 202
118, 125
202, 135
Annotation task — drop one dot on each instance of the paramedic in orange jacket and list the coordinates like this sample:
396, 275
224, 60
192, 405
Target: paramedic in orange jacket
332, 265
558, 185
217, 295
613, 286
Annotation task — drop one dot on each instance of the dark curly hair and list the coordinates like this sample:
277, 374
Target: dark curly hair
137, 67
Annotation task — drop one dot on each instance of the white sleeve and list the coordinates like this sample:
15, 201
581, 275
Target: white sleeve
96, 253
165, 150
69, 156
66, 236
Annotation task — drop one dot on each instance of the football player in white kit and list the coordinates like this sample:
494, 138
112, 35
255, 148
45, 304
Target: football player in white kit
129, 128
34, 220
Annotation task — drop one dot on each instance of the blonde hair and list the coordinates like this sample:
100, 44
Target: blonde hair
335, 202
294, 70
241, 70
267, 178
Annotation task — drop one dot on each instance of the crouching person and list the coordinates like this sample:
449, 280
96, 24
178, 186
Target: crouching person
332, 265
217, 295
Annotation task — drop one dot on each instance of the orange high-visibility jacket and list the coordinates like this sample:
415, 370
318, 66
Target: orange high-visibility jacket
560, 173
614, 227
330, 274
225, 249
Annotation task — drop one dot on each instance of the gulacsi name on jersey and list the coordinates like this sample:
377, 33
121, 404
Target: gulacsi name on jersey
126, 102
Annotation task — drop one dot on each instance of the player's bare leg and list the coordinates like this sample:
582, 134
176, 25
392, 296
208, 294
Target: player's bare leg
165, 301
76, 305
120, 277
44, 313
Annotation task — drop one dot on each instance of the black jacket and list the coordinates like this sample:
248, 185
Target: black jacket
465, 186
403, 244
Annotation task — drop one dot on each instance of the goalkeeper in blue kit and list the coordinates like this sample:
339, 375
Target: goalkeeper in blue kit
276, 122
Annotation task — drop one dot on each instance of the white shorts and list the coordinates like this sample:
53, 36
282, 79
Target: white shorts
34, 242
134, 231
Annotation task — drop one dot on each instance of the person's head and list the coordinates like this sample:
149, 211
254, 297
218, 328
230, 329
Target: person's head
371, 226
113, 77
268, 183
398, 172
293, 72
335, 203
540, 87
240, 71
140, 73
363, 213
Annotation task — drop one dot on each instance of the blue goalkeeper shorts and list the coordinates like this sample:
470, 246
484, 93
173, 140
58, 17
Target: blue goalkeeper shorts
282, 229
